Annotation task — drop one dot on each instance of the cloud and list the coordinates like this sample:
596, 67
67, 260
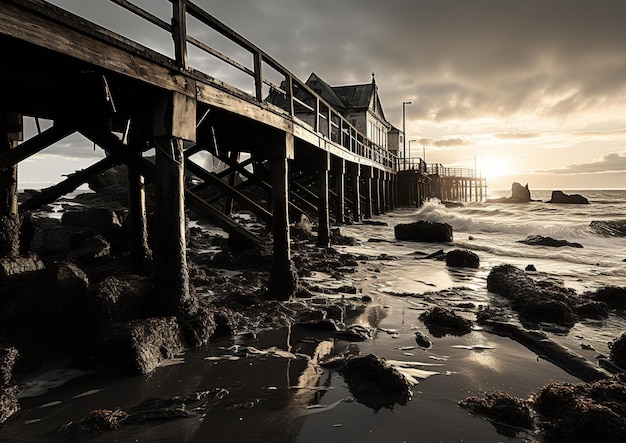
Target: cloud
516, 136
612, 162
444, 143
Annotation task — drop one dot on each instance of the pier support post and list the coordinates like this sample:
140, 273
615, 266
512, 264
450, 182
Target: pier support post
323, 228
138, 236
175, 120
339, 170
375, 190
11, 132
355, 170
367, 191
283, 278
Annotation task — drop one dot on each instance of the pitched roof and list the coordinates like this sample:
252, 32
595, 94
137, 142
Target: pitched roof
349, 97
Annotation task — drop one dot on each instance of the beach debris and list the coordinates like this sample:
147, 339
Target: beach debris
462, 258
437, 255
100, 421
442, 321
422, 340
314, 409
540, 240
571, 199
500, 408
541, 345
424, 231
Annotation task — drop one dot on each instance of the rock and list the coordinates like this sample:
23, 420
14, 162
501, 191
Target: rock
374, 223
50, 236
422, 340
94, 218
137, 347
609, 228
91, 248
462, 258
7, 361
534, 301
595, 310
441, 321
9, 403
538, 240
9, 235
573, 199
20, 267
530, 268
519, 194
618, 351
583, 412
613, 296
424, 231
501, 408
357, 333
369, 373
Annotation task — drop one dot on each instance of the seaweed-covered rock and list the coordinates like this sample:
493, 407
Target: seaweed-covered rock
583, 412
424, 231
7, 361
613, 296
535, 301
137, 347
369, 373
618, 351
441, 321
20, 267
500, 407
9, 403
462, 258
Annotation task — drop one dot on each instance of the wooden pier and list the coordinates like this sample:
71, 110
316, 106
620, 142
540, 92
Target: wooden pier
419, 182
279, 137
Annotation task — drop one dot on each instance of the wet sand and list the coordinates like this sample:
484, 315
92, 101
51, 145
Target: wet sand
275, 397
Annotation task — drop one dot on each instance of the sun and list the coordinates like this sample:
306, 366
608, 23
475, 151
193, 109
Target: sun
493, 167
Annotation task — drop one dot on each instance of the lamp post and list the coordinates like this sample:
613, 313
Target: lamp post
404, 130
410, 151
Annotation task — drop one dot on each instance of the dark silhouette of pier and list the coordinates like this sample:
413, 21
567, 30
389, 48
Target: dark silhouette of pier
129, 99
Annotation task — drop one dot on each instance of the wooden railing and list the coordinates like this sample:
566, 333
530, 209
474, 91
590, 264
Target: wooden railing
439, 169
298, 99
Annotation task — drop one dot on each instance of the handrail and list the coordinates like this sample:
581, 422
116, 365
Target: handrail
338, 129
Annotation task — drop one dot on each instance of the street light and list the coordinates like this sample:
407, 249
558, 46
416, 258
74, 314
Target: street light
410, 150
404, 130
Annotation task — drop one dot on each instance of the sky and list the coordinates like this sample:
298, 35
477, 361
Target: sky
532, 91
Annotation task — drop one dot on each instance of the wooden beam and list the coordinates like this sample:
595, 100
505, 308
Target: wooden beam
243, 200
68, 185
34, 145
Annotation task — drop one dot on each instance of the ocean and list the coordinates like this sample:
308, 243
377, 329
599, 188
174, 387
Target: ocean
402, 283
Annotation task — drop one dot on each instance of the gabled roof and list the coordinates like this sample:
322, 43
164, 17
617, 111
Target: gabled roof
342, 98
349, 97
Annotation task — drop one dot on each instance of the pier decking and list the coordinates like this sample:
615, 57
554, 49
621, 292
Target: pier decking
129, 99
